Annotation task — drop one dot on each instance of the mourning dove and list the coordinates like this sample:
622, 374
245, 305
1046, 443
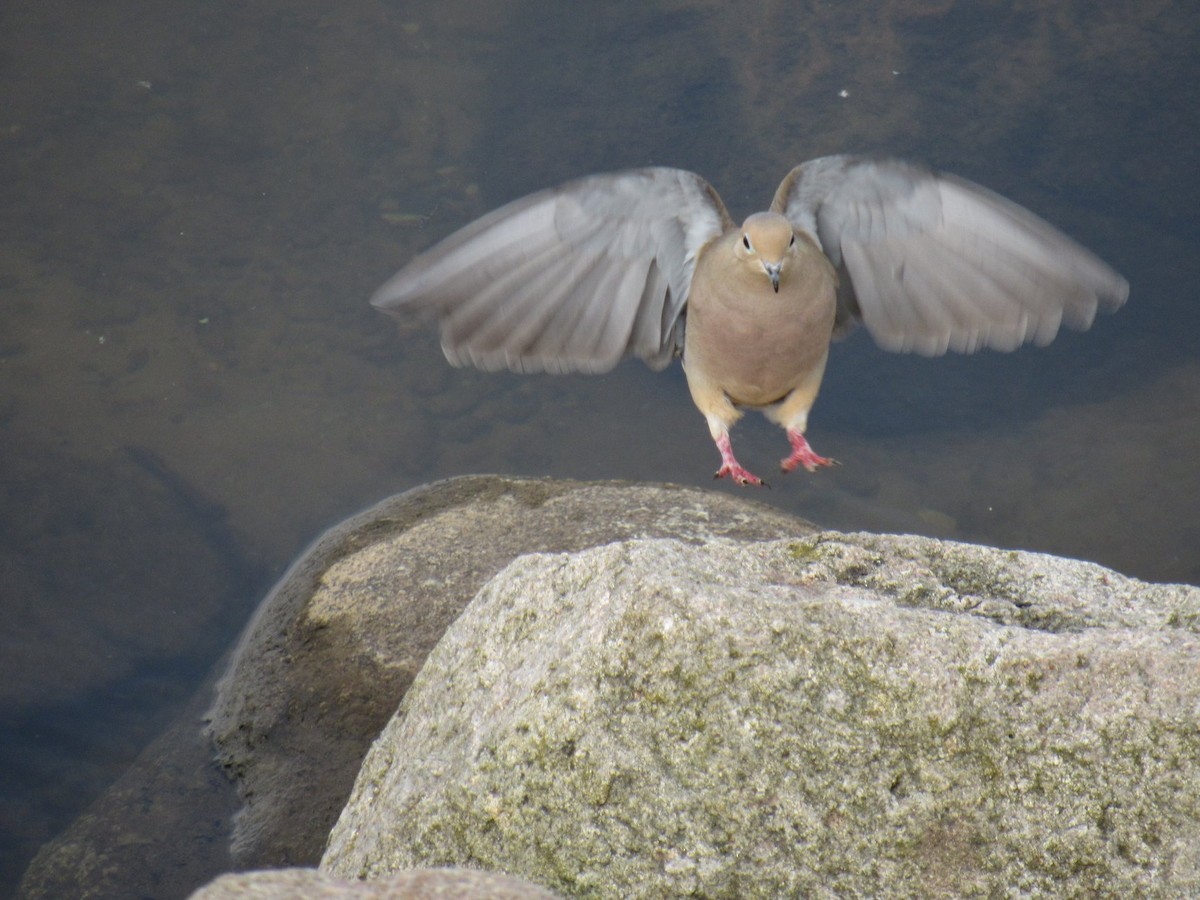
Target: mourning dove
648, 263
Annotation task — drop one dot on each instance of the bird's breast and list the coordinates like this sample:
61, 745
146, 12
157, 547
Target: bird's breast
758, 345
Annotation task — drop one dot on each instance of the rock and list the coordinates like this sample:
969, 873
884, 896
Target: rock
334, 647
831, 715
420, 884
160, 830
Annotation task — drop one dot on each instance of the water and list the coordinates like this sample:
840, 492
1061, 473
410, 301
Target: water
197, 200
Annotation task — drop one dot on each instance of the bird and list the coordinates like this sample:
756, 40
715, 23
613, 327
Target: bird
648, 263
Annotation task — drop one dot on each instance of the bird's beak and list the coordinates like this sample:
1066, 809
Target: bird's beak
773, 273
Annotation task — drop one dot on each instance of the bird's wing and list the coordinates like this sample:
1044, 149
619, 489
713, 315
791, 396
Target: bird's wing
571, 279
930, 262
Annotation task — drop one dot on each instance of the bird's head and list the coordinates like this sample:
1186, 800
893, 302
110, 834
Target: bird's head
767, 243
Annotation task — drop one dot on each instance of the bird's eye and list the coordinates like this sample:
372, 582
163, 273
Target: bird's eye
746, 241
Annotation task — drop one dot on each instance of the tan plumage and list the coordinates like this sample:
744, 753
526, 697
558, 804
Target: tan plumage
648, 263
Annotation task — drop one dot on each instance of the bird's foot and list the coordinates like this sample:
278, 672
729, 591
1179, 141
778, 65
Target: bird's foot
804, 455
732, 468
739, 475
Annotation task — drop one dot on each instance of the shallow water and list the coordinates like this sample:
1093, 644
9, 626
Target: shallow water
197, 201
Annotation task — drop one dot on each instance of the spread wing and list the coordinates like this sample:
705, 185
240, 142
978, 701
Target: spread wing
930, 262
571, 279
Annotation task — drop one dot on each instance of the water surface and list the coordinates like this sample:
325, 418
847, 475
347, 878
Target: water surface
197, 200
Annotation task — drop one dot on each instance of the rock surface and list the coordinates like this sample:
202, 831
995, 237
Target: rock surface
420, 884
332, 650
651, 693
835, 714
159, 831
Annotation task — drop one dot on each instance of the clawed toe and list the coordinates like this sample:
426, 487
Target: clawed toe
804, 455
740, 476
811, 464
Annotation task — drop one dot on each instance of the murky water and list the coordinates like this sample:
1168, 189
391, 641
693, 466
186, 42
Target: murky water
197, 200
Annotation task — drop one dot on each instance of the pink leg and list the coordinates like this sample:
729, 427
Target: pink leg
803, 455
731, 467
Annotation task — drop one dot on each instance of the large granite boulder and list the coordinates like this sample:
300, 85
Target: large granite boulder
825, 715
656, 690
319, 672
334, 647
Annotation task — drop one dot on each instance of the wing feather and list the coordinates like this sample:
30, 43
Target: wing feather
570, 279
931, 262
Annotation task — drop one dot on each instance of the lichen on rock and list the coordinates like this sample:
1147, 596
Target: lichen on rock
791, 717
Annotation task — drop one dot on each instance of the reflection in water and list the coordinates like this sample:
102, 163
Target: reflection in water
201, 202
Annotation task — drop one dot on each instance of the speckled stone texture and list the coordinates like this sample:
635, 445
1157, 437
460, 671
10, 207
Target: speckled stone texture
420, 884
828, 715
333, 648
